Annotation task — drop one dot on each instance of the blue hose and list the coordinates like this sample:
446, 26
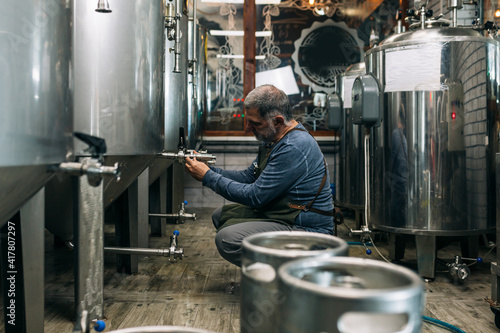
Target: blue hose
440, 323
359, 243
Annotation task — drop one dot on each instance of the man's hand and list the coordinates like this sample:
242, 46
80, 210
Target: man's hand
196, 168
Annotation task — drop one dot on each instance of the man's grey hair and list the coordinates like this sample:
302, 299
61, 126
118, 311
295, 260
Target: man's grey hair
270, 102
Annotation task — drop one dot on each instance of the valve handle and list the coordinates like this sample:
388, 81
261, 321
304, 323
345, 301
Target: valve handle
97, 146
100, 325
368, 251
176, 232
185, 202
479, 259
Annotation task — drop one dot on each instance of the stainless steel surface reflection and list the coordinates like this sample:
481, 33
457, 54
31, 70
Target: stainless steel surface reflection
432, 159
35, 96
196, 107
119, 75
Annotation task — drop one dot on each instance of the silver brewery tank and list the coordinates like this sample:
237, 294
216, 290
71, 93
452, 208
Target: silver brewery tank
432, 158
175, 116
118, 95
349, 191
36, 121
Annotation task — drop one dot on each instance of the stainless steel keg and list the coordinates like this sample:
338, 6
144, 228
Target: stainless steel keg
340, 294
262, 255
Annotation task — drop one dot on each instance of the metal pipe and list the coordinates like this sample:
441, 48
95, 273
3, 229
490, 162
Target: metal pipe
195, 51
144, 251
178, 33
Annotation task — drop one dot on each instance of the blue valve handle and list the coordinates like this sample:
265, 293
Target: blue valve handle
100, 325
368, 251
479, 259
176, 232
185, 202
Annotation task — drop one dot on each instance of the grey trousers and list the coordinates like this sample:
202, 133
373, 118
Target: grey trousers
228, 240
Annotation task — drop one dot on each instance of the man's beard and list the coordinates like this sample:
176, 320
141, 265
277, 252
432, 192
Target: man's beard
267, 136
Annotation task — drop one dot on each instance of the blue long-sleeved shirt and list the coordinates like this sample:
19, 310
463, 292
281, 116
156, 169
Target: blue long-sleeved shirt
295, 166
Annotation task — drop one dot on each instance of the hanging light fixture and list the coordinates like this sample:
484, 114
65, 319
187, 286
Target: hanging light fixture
318, 7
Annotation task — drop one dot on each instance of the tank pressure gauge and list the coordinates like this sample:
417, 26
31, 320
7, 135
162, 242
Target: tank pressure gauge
366, 101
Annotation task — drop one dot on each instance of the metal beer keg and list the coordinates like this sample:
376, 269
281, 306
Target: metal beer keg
262, 255
343, 294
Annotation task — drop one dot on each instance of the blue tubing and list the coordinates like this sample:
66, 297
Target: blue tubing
442, 324
359, 243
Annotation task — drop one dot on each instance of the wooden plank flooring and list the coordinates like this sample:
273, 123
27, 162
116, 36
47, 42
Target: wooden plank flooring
203, 290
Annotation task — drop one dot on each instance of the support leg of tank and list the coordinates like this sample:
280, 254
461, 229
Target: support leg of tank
397, 246
158, 203
89, 253
177, 186
470, 246
33, 249
142, 215
426, 255
495, 282
131, 229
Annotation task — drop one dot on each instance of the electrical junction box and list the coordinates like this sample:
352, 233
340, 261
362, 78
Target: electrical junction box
366, 101
334, 109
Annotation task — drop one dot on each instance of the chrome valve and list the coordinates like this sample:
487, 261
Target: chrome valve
458, 270
181, 216
175, 252
183, 154
90, 166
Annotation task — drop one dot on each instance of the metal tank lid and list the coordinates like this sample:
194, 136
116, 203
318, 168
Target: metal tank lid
432, 35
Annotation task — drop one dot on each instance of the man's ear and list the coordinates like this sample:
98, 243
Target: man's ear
278, 121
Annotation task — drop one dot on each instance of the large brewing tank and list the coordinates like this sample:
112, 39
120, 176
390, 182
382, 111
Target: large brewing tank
350, 189
118, 94
175, 114
36, 121
432, 158
197, 86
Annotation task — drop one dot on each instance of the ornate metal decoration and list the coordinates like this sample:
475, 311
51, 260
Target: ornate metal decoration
318, 7
230, 73
325, 50
267, 47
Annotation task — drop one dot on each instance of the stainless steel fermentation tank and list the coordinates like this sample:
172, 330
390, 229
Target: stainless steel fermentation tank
36, 128
36, 122
118, 95
350, 188
166, 176
432, 158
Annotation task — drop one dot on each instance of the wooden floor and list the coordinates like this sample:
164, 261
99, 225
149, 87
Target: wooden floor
203, 290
